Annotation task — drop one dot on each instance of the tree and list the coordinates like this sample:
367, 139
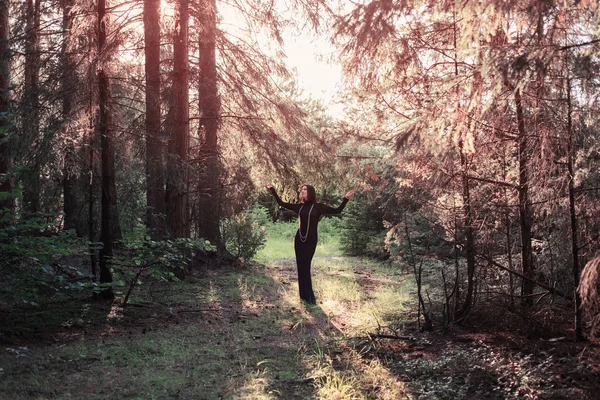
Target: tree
5, 112
68, 78
572, 210
179, 141
209, 191
108, 163
30, 113
155, 193
485, 88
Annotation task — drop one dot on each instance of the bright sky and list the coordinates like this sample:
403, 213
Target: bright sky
306, 53
316, 75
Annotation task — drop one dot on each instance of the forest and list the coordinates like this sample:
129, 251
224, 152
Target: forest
142, 256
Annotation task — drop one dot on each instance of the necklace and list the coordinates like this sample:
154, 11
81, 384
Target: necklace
305, 236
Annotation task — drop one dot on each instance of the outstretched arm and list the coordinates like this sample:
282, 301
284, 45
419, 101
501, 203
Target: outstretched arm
289, 206
330, 210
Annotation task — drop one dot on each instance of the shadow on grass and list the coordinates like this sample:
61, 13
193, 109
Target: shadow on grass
54, 320
225, 333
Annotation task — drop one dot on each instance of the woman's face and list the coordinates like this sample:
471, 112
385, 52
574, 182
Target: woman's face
303, 194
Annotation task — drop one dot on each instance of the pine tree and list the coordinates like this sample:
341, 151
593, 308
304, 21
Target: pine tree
6, 202
105, 131
155, 192
179, 141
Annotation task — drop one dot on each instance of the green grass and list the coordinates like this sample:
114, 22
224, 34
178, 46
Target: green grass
280, 241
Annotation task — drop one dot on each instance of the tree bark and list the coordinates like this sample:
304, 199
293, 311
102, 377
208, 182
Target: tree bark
30, 109
108, 166
155, 190
524, 206
573, 214
5, 123
467, 304
177, 178
209, 106
71, 217
465, 307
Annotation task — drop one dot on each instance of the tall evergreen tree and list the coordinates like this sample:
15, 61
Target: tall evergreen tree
179, 141
105, 131
68, 83
208, 213
5, 111
30, 107
155, 192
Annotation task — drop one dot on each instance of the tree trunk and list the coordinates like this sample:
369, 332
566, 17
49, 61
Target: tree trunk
71, 217
508, 224
209, 106
30, 113
467, 304
177, 179
108, 166
155, 191
5, 181
465, 307
92, 187
573, 213
524, 206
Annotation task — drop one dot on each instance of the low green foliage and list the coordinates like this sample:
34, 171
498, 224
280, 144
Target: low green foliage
242, 333
280, 243
362, 230
32, 251
164, 260
245, 234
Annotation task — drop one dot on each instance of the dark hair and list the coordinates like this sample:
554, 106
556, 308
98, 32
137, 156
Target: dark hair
311, 193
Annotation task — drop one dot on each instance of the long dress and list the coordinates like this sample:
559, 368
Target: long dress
306, 239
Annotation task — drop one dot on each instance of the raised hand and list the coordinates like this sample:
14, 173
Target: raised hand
349, 194
269, 186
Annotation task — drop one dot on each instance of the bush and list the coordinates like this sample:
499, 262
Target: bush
362, 230
245, 233
31, 253
164, 260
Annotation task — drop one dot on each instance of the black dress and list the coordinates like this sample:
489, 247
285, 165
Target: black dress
305, 242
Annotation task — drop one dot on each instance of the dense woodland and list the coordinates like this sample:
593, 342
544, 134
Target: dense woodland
137, 137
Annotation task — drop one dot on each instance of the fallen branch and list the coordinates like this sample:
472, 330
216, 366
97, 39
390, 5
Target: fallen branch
384, 336
549, 288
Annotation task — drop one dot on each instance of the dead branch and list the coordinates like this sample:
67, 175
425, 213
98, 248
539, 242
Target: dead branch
384, 336
539, 284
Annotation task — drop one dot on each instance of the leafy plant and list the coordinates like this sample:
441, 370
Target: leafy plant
164, 260
245, 233
32, 249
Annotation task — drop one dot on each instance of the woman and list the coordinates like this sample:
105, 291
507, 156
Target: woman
309, 212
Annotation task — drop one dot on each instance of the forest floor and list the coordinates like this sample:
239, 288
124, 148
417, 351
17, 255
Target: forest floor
240, 332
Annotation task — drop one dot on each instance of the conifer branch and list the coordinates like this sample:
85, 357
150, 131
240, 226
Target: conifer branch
572, 46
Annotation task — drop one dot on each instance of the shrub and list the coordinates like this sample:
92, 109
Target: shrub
362, 227
31, 253
245, 233
164, 260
